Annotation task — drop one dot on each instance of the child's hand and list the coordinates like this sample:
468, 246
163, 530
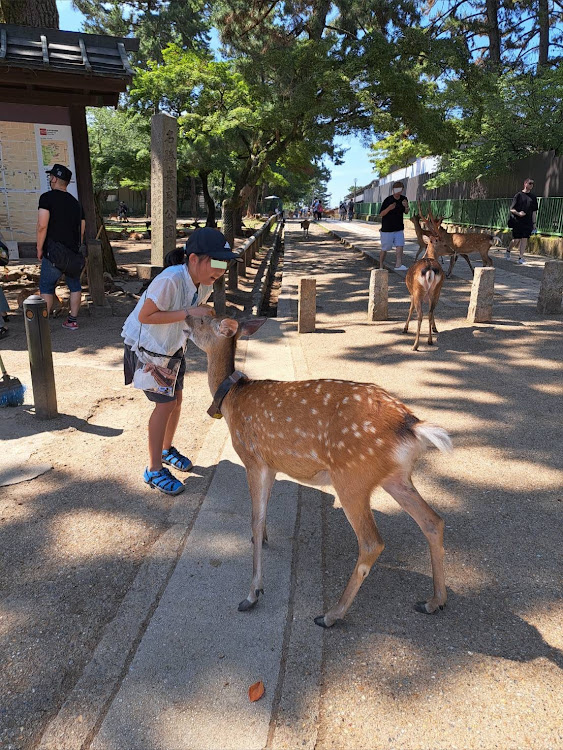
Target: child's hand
200, 311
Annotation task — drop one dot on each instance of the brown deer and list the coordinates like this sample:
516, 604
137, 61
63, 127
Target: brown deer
354, 436
463, 243
305, 224
443, 249
424, 281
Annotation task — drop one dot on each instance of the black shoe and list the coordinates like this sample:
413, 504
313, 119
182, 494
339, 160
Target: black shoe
3, 332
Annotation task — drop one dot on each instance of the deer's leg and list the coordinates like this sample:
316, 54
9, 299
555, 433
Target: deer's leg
370, 546
419, 323
406, 328
432, 526
431, 321
469, 264
260, 481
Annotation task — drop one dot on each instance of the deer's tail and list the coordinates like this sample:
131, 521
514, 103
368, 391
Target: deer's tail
430, 434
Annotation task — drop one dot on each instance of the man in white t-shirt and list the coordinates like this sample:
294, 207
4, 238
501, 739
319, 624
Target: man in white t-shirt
156, 326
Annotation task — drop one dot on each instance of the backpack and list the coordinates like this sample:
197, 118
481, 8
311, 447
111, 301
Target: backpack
4, 254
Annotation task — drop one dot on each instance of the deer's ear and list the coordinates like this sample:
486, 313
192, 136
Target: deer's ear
248, 327
227, 328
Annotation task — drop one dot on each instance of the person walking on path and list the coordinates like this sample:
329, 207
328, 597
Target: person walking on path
156, 328
522, 220
342, 211
60, 220
392, 233
350, 209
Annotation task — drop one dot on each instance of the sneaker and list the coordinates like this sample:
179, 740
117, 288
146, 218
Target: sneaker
507, 256
400, 268
71, 325
521, 261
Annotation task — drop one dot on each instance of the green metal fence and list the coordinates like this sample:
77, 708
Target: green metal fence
488, 213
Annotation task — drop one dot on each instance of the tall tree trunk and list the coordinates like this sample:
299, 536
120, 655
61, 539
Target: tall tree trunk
31, 13
107, 252
543, 20
252, 202
193, 198
493, 33
209, 202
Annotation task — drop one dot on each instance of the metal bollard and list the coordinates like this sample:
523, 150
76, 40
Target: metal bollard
38, 336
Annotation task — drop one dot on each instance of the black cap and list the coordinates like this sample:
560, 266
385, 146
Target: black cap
60, 171
211, 242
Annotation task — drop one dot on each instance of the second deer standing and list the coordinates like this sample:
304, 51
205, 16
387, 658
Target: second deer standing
424, 281
354, 436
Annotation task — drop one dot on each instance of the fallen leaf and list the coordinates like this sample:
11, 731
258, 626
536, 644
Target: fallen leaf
256, 691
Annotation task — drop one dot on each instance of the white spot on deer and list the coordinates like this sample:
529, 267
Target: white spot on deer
357, 397
314, 411
326, 398
288, 419
345, 400
345, 430
314, 454
238, 434
354, 426
303, 400
379, 441
340, 444
357, 434
318, 388
371, 451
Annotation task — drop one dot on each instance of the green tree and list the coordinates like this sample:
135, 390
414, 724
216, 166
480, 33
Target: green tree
156, 23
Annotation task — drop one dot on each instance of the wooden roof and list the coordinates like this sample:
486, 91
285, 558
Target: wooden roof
48, 66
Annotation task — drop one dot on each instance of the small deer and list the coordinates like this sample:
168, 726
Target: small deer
422, 236
424, 281
355, 436
305, 224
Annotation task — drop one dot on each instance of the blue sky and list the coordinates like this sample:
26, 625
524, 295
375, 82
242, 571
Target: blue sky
356, 164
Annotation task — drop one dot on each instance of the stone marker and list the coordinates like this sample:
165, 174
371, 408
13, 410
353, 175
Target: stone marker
307, 305
482, 292
147, 271
551, 289
378, 294
164, 134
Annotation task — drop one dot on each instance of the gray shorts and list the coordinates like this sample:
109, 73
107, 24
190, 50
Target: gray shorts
389, 240
130, 360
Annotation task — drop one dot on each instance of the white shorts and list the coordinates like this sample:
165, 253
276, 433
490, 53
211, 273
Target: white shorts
389, 240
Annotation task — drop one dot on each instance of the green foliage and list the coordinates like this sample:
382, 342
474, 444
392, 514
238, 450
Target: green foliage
119, 150
509, 117
156, 23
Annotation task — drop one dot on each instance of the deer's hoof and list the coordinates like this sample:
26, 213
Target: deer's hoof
421, 607
246, 605
320, 621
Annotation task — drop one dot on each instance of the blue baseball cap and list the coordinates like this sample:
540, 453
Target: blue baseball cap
211, 242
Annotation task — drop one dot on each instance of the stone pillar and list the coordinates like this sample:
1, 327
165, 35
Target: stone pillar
551, 289
307, 306
482, 292
378, 294
164, 136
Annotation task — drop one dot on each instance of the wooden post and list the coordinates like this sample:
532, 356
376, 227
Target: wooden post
378, 294
83, 169
96, 273
482, 293
38, 336
307, 305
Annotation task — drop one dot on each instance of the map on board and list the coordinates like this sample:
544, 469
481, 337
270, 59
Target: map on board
54, 152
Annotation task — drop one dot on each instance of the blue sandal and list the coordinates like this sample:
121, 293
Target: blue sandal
164, 481
174, 458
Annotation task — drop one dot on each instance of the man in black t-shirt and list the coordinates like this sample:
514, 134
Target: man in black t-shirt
60, 219
523, 212
392, 234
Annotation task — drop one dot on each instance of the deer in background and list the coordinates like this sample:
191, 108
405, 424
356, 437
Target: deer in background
424, 281
354, 436
462, 243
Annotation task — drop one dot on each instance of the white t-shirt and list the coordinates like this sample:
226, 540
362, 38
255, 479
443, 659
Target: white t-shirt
172, 289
